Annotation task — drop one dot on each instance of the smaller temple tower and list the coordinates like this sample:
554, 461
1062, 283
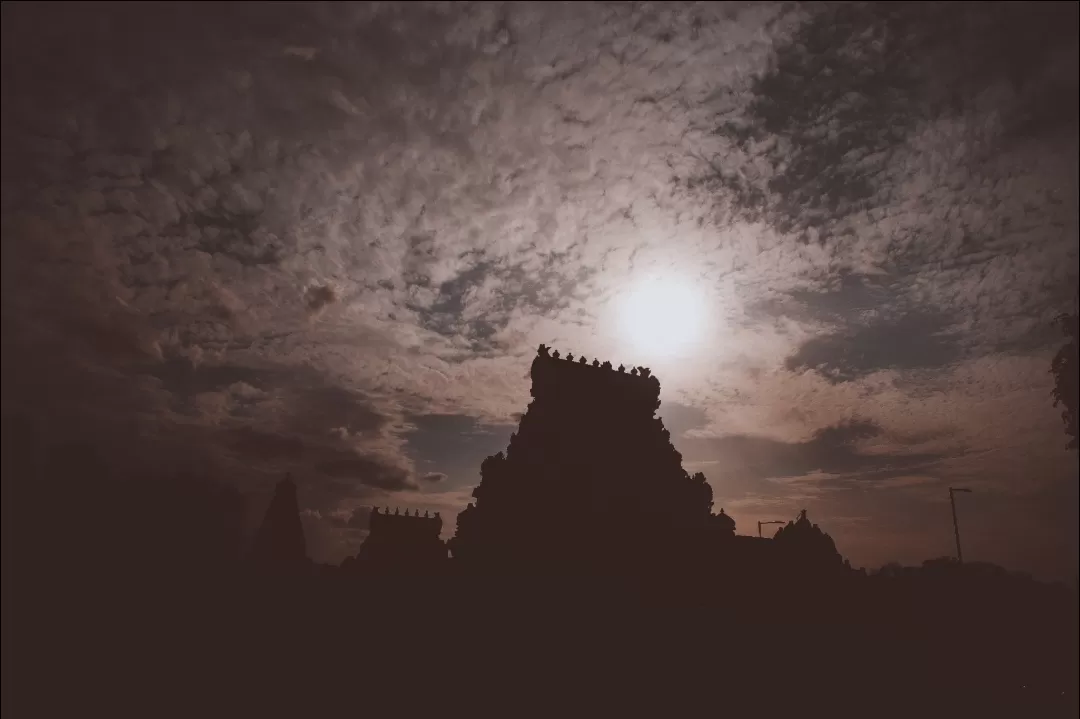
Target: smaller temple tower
401, 542
723, 524
280, 544
806, 547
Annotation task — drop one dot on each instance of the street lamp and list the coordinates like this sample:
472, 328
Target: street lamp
955, 526
773, 521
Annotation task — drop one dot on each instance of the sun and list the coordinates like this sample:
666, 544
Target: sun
662, 317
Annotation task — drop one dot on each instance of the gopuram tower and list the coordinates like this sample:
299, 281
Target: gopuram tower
590, 479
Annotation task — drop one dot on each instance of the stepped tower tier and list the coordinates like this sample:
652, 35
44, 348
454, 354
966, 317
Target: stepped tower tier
590, 474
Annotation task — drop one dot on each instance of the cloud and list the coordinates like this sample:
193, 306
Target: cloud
366, 470
434, 477
913, 480
908, 342
841, 452
319, 296
285, 251
265, 445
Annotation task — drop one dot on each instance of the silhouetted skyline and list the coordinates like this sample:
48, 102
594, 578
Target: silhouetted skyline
242, 241
593, 358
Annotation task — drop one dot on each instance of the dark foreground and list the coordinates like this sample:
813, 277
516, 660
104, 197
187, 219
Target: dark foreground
225, 646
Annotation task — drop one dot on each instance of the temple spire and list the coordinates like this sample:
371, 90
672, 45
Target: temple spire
280, 541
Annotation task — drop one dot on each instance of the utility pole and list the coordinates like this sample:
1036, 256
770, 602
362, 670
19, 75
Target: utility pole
774, 521
955, 525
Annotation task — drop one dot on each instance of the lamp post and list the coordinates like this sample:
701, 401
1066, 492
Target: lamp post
955, 526
773, 521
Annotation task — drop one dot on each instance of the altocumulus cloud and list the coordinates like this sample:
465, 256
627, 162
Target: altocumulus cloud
274, 235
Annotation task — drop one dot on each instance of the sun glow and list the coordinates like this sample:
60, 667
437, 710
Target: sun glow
662, 317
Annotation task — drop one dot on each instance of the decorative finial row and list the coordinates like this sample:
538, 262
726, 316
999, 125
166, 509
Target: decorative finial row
397, 513
543, 351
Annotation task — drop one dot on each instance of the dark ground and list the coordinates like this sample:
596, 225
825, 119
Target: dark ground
222, 646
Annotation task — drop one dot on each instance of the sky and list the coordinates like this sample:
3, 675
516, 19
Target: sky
326, 239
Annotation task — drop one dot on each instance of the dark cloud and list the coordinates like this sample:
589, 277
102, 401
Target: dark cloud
838, 96
468, 306
266, 445
304, 401
851, 84
319, 296
846, 434
186, 379
327, 239
833, 450
848, 298
365, 470
912, 341
446, 314
325, 407
111, 336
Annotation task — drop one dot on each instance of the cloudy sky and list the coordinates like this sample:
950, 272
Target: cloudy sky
327, 239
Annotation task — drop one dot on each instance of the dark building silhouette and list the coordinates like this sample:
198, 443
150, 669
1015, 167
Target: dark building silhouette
805, 547
723, 524
401, 542
590, 479
279, 543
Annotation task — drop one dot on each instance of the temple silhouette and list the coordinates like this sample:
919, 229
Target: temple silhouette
589, 481
586, 545
280, 544
400, 543
589, 484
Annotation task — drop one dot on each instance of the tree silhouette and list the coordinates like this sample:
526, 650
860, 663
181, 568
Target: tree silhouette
1065, 368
